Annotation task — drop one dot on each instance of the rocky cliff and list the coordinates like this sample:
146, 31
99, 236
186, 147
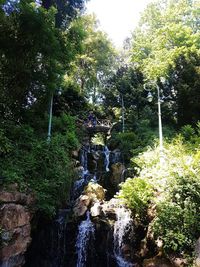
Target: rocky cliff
15, 230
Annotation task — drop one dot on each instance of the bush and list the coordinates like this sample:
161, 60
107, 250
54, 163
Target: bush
129, 143
187, 132
41, 167
176, 183
137, 193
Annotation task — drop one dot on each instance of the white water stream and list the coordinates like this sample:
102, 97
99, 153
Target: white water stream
85, 236
121, 227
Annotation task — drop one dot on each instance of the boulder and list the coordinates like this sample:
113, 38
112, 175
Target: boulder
81, 205
17, 197
96, 209
14, 216
75, 154
20, 238
110, 208
84, 200
116, 173
95, 191
79, 210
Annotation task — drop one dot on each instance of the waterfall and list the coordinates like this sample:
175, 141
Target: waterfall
107, 158
94, 179
123, 175
121, 227
48, 248
84, 176
84, 159
71, 240
85, 236
61, 226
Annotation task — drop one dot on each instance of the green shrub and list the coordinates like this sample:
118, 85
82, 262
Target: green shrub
176, 183
137, 193
129, 144
41, 167
5, 144
187, 132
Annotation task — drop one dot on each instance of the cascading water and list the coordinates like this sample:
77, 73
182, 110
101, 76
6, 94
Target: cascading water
121, 227
84, 175
84, 239
95, 242
49, 245
107, 158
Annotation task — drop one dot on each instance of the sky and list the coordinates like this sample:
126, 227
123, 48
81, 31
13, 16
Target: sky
117, 17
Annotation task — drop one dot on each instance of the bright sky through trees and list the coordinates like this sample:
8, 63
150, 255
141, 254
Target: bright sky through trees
117, 17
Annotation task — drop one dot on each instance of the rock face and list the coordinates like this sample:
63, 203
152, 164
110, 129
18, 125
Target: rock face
197, 251
116, 173
157, 262
93, 193
15, 217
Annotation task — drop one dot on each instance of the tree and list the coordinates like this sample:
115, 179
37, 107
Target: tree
32, 68
95, 63
66, 10
167, 36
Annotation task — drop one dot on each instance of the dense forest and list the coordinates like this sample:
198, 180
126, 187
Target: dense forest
56, 61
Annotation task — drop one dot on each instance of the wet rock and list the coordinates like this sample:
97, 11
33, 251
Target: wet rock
17, 197
157, 262
79, 170
79, 210
85, 200
95, 191
115, 155
20, 239
126, 251
109, 208
92, 194
75, 154
178, 261
96, 209
116, 173
15, 261
81, 205
15, 217
92, 163
96, 161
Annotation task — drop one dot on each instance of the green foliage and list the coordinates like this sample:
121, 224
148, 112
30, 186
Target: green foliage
5, 144
167, 31
35, 56
137, 193
132, 143
187, 132
175, 179
129, 144
41, 167
95, 62
166, 45
177, 221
